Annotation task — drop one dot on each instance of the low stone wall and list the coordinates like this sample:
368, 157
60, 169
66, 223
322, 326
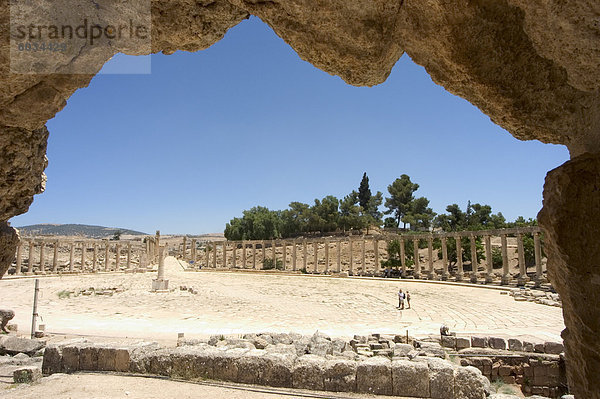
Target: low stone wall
511, 344
285, 361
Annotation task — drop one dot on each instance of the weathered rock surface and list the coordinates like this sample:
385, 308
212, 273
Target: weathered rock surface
9, 239
570, 220
10, 345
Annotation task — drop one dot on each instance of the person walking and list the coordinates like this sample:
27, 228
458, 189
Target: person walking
408, 299
401, 299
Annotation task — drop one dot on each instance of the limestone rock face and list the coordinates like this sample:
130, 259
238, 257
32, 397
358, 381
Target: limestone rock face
570, 220
9, 239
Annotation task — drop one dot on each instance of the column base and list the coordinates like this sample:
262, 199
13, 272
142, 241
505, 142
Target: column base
160, 285
459, 277
489, 279
28, 274
522, 280
505, 280
538, 281
444, 277
473, 278
417, 276
431, 276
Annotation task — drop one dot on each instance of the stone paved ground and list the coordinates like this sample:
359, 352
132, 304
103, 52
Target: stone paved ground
235, 303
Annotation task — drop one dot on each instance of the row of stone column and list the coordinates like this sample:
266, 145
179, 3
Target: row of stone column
105, 256
300, 256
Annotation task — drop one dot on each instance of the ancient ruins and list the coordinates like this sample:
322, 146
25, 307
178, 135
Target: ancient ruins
531, 66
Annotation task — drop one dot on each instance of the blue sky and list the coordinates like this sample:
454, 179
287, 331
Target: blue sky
246, 122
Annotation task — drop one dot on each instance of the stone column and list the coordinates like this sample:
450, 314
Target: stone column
234, 254
326, 256
160, 284
83, 256
129, 256
570, 220
351, 257
445, 258
42, 258
489, 275
522, 267
95, 258
19, 258
376, 253
274, 253
402, 255
474, 261
284, 256
538, 259
30, 260
207, 254
417, 273
215, 253
106, 256
304, 254
194, 249
294, 250
184, 248
243, 254
430, 274
225, 254
254, 255
264, 253
459, 260
364, 256
505, 272
316, 249
156, 244
117, 256
339, 255
72, 258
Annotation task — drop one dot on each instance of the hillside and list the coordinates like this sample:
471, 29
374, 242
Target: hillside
74, 230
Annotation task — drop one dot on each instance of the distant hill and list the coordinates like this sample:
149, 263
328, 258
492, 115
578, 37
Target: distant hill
81, 230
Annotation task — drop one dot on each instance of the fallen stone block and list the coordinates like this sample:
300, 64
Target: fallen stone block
52, 361
497, 343
11, 345
277, 369
448, 341
469, 383
554, 348
515, 345
374, 376
479, 342
27, 375
462, 343
402, 350
340, 375
410, 379
441, 377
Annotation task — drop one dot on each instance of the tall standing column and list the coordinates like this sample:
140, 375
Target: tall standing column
30, 260
184, 249
402, 256
339, 255
264, 253
538, 259
254, 255
243, 254
194, 250
42, 258
430, 273
304, 254
72, 257
326, 256
215, 253
225, 254
376, 254
474, 261
207, 254
274, 253
55, 257
117, 256
351, 257
95, 258
416, 258
83, 256
234, 254
444, 258
489, 275
129, 256
522, 266
160, 284
316, 251
294, 250
284, 252
19, 258
505, 272
156, 244
106, 256
459, 259
364, 256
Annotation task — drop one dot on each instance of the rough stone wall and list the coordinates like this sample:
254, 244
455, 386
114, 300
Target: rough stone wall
571, 221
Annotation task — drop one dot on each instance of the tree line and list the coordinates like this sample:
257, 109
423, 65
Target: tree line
359, 210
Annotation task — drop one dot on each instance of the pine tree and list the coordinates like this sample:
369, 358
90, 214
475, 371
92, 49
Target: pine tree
364, 192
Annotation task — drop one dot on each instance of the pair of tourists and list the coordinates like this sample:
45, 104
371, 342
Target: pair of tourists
402, 296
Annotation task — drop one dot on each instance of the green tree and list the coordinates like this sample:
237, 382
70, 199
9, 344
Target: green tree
401, 196
116, 236
295, 220
372, 211
324, 216
419, 215
364, 193
350, 213
258, 223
